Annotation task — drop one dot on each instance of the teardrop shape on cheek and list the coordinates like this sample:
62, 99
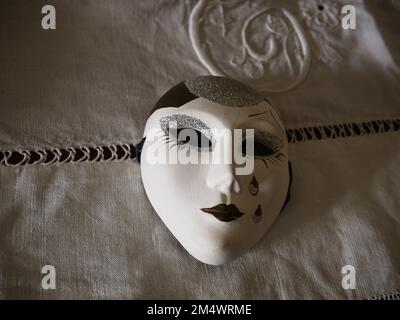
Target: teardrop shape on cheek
253, 186
257, 215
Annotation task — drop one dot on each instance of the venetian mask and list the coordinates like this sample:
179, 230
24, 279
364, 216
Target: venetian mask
216, 207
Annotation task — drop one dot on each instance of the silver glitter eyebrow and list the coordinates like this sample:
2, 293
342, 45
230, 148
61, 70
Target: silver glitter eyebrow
185, 121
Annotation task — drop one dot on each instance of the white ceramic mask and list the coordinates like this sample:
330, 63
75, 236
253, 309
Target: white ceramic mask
214, 212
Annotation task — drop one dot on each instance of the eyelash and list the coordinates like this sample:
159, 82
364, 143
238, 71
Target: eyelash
275, 159
265, 144
167, 140
184, 144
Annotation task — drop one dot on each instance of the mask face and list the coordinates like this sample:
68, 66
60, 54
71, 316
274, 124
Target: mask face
214, 211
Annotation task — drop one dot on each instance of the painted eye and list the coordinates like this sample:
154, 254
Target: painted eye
191, 137
261, 148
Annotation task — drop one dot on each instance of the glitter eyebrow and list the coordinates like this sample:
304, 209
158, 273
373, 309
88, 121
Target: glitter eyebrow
184, 121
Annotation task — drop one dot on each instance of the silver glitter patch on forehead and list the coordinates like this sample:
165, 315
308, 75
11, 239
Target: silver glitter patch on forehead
184, 121
223, 91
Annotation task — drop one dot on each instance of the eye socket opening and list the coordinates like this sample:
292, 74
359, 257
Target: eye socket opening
264, 146
260, 149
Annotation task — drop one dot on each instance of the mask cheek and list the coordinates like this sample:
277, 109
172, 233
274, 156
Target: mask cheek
174, 190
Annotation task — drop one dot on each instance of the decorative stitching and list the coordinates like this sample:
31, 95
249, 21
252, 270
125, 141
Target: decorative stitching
66, 155
123, 151
344, 130
394, 295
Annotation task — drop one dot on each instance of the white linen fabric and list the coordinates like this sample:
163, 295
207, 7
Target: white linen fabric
93, 81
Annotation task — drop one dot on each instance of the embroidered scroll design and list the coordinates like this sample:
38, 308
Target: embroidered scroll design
250, 41
322, 19
268, 48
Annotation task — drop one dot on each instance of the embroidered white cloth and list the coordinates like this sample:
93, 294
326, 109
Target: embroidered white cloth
91, 83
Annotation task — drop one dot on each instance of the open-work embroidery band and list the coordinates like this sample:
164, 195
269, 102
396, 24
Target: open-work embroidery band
122, 151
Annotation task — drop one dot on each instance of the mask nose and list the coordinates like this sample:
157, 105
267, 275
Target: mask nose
222, 179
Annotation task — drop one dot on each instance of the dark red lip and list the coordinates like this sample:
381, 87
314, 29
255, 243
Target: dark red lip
224, 212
